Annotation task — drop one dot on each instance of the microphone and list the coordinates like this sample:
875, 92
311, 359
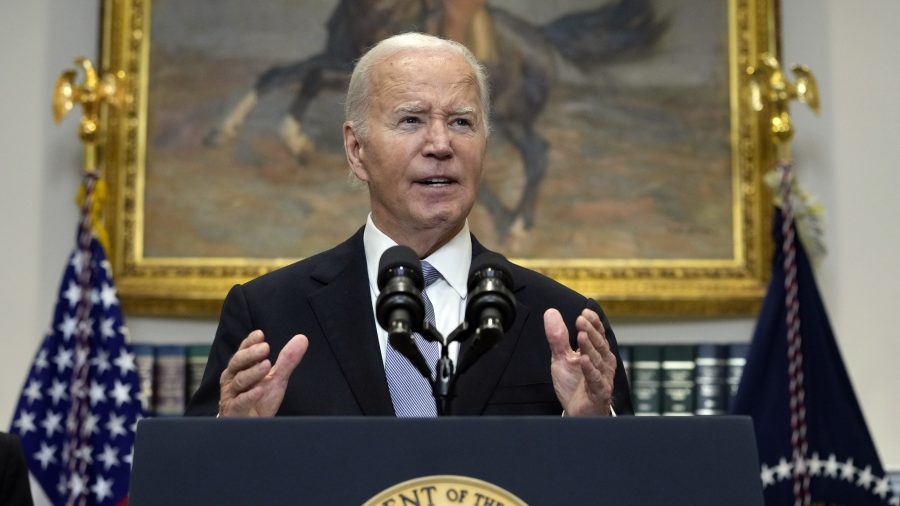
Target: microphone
491, 309
399, 307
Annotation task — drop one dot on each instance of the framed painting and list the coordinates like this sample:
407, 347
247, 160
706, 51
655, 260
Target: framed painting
624, 158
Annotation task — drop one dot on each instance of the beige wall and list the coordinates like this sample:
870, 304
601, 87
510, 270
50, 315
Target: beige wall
848, 156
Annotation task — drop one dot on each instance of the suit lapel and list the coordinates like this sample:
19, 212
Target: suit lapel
479, 382
352, 337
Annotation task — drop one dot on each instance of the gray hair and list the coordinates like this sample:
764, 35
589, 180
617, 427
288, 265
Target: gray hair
356, 107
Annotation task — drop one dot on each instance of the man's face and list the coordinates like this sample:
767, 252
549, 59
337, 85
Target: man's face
422, 155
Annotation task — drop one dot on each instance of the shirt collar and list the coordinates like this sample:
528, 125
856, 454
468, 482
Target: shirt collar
452, 260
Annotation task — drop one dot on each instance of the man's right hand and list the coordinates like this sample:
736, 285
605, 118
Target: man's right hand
251, 385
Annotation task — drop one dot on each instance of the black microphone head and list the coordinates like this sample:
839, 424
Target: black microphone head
400, 261
490, 264
490, 297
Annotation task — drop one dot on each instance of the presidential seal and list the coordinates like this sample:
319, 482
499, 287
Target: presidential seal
445, 490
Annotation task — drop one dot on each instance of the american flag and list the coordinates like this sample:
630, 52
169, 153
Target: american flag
80, 403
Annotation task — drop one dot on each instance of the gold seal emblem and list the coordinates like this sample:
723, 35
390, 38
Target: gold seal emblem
445, 490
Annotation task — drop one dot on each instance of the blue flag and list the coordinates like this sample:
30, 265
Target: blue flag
814, 446
80, 403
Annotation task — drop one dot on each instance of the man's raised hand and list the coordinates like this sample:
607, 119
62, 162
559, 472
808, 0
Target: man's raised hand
251, 385
582, 378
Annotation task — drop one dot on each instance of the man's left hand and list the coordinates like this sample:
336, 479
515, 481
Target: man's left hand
582, 378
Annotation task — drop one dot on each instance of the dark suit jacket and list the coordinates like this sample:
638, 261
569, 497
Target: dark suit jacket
326, 297
14, 486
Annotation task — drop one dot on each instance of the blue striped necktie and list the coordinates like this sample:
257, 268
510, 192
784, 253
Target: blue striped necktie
410, 391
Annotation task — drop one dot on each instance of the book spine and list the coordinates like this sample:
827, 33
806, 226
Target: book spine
171, 369
737, 358
646, 369
678, 380
710, 376
197, 355
144, 361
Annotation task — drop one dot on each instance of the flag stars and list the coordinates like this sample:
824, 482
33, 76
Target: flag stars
109, 457
46, 455
882, 488
72, 294
767, 475
121, 392
58, 391
33, 391
125, 362
847, 470
41, 361
865, 478
116, 425
63, 359
815, 465
107, 267
108, 296
68, 326
783, 469
25, 423
831, 467
106, 328
77, 261
97, 393
52, 423
102, 488
101, 361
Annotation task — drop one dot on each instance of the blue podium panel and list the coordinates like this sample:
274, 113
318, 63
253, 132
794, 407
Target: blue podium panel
543, 461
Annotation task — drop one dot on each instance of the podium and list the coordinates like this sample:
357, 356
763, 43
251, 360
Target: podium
539, 460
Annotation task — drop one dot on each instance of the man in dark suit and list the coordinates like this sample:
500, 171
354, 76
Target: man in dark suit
14, 486
415, 132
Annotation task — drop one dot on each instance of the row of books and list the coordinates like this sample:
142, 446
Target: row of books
665, 379
683, 379
170, 374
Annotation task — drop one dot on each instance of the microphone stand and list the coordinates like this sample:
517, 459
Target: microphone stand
443, 386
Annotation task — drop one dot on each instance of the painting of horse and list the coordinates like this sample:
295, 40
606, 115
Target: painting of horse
602, 144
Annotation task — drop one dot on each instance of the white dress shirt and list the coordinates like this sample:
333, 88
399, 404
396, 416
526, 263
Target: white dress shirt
447, 295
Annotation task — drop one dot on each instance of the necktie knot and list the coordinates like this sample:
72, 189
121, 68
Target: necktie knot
430, 273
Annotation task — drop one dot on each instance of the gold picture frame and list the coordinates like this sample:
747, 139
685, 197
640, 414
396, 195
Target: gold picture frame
186, 284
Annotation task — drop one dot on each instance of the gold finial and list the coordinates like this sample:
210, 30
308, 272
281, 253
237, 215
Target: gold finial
91, 95
771, 91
